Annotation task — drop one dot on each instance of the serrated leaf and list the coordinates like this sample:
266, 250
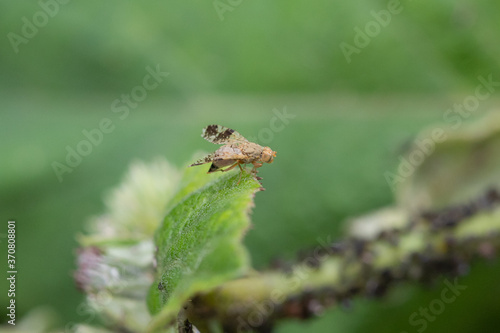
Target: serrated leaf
199, 243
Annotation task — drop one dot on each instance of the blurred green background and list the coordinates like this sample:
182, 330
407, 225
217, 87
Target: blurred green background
234, 67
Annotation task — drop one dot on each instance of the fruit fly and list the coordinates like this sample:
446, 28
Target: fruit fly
236, 150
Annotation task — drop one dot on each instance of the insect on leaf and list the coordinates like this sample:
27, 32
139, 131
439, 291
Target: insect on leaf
199, 242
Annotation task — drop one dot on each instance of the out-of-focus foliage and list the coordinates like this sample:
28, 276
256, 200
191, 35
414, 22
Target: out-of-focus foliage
457, 168
134, 209
115, 260
260, 46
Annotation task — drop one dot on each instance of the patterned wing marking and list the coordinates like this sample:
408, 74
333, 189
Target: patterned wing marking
221, 135
207, 159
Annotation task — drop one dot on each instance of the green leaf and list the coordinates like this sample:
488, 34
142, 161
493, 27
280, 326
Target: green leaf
136, 207
461, 166
199, 243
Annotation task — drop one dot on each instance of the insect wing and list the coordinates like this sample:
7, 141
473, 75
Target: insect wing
207, 159
221, 135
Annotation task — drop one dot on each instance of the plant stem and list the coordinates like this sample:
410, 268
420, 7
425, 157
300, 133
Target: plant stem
428, 246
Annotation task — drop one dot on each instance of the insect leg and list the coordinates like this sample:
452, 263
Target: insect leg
255, 166
241, 174
231, 167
